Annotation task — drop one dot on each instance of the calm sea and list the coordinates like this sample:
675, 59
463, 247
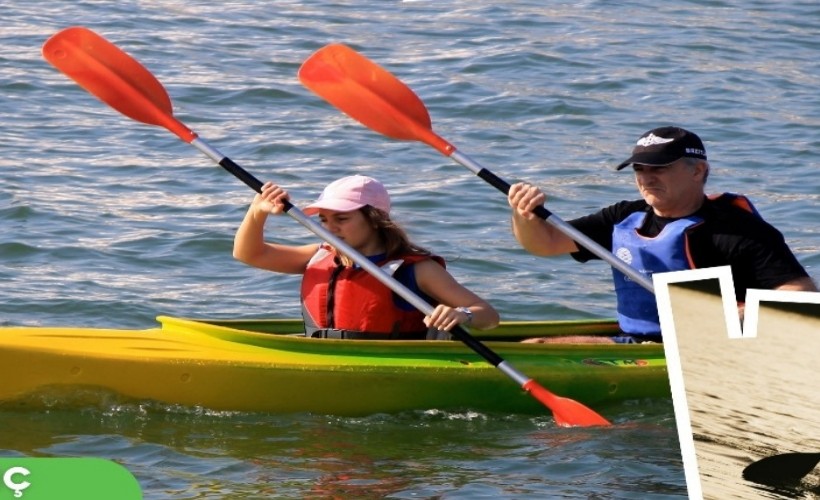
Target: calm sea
108, 223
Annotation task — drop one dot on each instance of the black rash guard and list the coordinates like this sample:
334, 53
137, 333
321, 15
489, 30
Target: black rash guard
755, 250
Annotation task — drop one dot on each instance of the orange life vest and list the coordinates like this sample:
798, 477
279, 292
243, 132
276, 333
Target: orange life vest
350, 299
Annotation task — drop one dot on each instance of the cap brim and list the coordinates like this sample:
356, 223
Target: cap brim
624, 164
335, 205
652, 159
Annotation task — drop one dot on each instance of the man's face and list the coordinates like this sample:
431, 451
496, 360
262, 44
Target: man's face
668, 188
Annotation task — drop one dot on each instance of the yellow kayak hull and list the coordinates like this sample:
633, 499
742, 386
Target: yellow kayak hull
263, 366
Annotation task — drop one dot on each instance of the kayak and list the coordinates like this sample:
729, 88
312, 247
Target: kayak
267, 365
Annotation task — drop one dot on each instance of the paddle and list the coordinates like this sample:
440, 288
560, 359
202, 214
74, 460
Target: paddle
781, 469
371, 95
120, 81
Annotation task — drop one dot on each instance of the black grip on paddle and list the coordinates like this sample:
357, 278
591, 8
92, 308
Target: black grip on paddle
248, 178
504, 187
241, 174
484, 351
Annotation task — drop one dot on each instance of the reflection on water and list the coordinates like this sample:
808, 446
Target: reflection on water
193, 453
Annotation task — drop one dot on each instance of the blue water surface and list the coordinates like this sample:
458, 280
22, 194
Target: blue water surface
107, 222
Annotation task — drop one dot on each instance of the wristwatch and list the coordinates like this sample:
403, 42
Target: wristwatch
468, 312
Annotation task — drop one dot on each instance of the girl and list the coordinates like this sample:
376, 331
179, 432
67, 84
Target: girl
341, 300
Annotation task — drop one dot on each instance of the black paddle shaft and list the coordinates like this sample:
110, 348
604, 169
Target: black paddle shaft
246, 177
577, 236
504, 186
241, 174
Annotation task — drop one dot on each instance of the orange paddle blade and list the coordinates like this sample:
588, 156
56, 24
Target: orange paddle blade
114, 77
369, 94
567, 412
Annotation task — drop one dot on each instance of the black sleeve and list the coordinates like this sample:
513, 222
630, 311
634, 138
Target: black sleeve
756, 251
599, 225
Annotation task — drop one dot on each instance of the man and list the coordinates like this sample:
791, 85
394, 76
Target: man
674, 227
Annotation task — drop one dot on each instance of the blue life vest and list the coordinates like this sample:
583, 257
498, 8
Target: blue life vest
668, 251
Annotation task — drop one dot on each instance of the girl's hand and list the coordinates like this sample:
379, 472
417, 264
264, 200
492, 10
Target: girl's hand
271, 199
446, 318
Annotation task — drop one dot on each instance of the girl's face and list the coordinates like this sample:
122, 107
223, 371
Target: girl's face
354, 229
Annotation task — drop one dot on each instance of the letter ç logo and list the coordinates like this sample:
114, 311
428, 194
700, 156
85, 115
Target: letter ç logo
47, 478
12, 484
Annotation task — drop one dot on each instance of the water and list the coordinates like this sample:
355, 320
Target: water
189, 454
107, 223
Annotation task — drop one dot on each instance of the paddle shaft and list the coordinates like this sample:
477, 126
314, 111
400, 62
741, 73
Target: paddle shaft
378, 100
556, 222
459, 332
120, 81
566, 412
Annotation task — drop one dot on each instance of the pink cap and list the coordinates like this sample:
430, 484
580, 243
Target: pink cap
351, 193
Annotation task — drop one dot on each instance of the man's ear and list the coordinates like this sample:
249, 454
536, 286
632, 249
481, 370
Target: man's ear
702, 170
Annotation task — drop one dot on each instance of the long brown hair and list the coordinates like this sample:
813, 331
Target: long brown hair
395, 239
